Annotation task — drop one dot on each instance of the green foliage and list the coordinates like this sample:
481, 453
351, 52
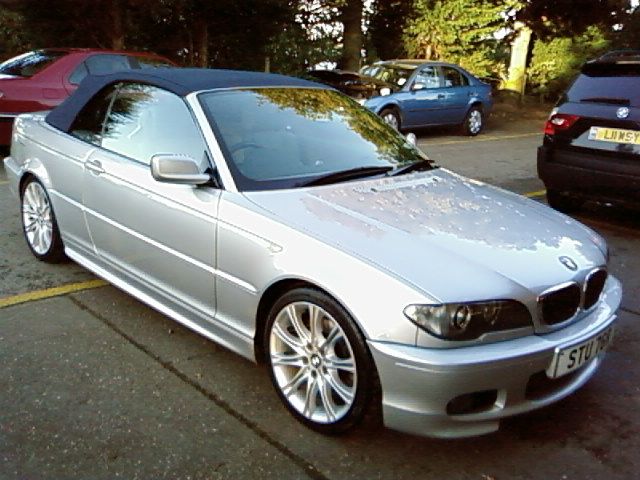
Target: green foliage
628, 36
13, 40
292, 52
556, 61
458, 31
387, 22
553, 18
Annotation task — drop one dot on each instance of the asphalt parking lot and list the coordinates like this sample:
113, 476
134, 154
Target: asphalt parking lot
96, 385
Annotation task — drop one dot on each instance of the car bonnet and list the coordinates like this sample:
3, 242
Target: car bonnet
453, 238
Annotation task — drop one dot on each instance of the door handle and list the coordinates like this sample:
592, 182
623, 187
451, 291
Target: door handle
441, 96
94, 166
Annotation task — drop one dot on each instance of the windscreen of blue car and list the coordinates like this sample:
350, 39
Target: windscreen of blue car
276, 138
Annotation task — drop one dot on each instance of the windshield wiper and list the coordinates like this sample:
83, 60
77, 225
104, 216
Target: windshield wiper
344, 175
412, 167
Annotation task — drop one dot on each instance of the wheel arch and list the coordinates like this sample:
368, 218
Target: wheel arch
26, 176
33, 168
476, 103
271, 295
391, 106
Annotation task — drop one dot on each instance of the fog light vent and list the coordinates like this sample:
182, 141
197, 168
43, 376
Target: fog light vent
472, 402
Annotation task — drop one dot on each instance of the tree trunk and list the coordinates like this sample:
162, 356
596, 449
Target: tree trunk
116, 11
201, 42
517, 75
351, 17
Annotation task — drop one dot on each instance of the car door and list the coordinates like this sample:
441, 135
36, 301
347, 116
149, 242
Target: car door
70, 154
457, 92
160, 236
424, 103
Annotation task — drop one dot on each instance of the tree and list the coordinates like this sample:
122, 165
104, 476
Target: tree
557, 60
351, 18
550, 18
12, 33
458, 31
388, 22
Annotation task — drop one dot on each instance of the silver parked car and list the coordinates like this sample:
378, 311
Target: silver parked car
279, 218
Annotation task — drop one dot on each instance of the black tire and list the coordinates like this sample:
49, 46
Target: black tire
50, 251
362, 382
563, 202
473, 122
391, 116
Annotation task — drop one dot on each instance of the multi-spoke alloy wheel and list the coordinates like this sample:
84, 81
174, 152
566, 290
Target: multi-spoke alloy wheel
39, 223
317, 360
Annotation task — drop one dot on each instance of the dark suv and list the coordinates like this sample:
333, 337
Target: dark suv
591, 147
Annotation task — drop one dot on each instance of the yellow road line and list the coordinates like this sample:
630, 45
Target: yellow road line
539, 193
51, 292
486, 138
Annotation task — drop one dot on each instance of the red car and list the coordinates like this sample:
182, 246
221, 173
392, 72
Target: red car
42, 79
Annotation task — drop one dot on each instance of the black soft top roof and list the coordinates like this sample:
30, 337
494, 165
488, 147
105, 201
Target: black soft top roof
181, 81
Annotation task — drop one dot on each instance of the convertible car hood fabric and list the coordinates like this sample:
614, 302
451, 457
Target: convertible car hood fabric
430, 224
181, 81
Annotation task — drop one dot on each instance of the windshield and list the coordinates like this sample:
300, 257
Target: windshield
28, 64
286, 137
391, 74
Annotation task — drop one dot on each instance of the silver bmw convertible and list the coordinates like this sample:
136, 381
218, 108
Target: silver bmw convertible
280, 219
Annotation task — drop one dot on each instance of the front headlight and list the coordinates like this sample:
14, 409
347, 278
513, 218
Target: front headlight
468, 321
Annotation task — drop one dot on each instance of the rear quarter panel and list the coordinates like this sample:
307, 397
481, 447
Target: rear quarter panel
57, 160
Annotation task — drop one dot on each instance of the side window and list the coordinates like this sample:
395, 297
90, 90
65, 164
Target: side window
78, 74
89, 122
145, 121
453, 78
103, 64
429, 77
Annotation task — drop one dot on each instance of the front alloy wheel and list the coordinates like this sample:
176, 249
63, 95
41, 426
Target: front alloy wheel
318, 361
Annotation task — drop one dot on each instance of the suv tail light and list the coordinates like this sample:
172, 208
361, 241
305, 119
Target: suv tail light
559, 122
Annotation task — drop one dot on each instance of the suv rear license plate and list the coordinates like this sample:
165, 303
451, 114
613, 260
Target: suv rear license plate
571, 358
615, 135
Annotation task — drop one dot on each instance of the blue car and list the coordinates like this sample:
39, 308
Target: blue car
418, 93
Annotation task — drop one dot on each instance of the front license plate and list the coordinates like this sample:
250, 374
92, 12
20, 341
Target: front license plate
615, 135
571, 358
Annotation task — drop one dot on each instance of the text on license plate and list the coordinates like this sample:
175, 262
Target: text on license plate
615, 135
571, 358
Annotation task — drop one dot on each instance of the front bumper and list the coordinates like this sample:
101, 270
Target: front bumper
418, 384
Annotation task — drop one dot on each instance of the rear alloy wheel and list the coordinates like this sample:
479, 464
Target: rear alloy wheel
562, 202
391, 117
318, 361
39, 223
473, 122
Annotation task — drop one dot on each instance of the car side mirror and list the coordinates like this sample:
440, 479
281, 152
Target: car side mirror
179, 169
418, 86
